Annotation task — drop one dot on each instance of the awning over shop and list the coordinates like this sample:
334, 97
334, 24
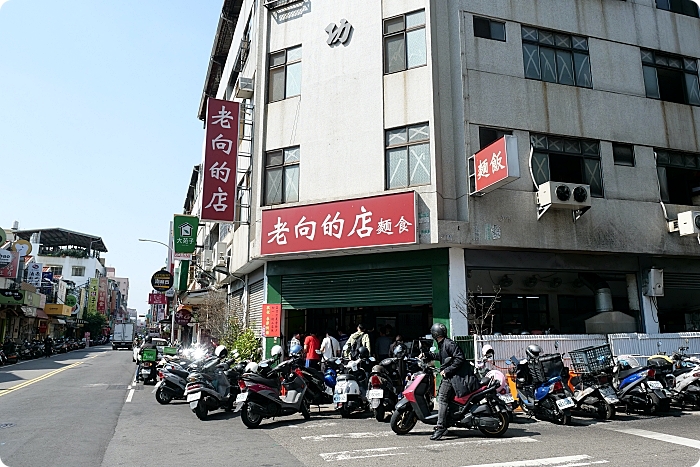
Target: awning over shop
40, 314
195, 297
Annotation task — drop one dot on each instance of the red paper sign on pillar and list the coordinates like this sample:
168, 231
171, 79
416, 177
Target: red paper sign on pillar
220, 157
271, 320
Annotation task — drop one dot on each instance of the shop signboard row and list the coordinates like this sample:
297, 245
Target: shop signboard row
220, 161
102, 295
366, 222
20, 297
185, 235
92, 295
9, 263
34, 274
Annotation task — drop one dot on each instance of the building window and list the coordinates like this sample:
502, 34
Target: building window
679, 177
684, 7
408, 156
556, 58
623, 154
671, 78
404, 42
56, 270
489, 29
285, 74
489, 135
567, 160
282, 176
78, 271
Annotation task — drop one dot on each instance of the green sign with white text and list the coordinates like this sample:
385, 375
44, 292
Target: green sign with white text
185, 233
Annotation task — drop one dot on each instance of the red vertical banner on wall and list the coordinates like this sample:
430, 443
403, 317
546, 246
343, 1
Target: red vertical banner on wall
271, 320
102, 295
220, 157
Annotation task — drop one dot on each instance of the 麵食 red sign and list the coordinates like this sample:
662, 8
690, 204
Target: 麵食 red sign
220, 160
157, 299
495, 166
365, 222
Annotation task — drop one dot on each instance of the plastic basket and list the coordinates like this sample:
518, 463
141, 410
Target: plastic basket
594, 359
149, 355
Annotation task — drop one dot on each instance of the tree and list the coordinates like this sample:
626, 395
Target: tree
479, 310
95, 322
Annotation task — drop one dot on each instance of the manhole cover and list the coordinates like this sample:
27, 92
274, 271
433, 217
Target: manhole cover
6, 425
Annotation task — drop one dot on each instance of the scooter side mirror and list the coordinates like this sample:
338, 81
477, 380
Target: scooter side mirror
372, 359
508, 362
433, 349
447, 361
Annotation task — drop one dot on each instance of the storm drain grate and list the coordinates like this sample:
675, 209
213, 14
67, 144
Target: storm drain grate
121, 387
6, 425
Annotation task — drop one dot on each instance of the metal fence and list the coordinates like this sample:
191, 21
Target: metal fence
646, 345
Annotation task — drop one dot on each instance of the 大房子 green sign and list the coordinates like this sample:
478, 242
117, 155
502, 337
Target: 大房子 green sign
185, 233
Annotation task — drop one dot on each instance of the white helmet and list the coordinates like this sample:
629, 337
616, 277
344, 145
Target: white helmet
251, 367
486, 350
221, 351
275, 350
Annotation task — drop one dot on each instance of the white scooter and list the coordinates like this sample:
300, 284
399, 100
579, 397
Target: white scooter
350, 394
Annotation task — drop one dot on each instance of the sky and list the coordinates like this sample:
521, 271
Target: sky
98, 120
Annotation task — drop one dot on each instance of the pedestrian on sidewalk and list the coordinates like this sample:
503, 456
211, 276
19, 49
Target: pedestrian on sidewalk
48, 346
311, 345
330, 348
382, 344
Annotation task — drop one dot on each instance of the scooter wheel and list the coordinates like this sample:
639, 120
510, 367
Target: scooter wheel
201, 410
403, 422
162, 397
250, 419
380, 414
605, 410
562, 417
306, 409
502, 426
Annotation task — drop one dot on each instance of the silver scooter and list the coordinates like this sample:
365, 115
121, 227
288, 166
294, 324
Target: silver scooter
211, 389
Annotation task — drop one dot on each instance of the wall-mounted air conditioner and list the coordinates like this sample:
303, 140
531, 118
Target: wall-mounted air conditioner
207, 260
220, 254
560, 195
689, 223
244, 88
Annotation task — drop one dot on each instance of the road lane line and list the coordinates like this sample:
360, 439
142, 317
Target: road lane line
376, 434
565, 461
691, 443
403, 450
131, 394
38, 378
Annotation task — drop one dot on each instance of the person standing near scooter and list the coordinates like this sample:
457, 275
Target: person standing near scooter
457, 377
48, 346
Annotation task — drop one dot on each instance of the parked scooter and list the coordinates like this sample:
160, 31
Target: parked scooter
590, 381
350, 393
386, 383
541, 391
680, 376
262, 395
636, 387
214, 387
481, 410
10, 350
483, 371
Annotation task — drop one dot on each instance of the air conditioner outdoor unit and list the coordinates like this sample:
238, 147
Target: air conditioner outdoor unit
244, 88
220, 253
689, 223
560, 195
207, 260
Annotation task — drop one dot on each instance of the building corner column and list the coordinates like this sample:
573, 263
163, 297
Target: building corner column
459, 325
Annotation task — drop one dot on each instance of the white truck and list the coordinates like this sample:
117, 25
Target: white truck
123, 335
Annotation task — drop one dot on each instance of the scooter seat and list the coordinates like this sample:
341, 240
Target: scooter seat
625, 373
180, 373
257, 379
465, 399
682, 371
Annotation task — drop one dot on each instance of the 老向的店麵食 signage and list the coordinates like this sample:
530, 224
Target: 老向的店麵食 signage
185, 233
162, 280
220, 158
494, 166
366, 222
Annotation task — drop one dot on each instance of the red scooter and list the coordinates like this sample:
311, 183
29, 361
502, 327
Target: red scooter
482, 409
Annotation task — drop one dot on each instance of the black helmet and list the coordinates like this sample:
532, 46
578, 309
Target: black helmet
149, 339
400, 351
533, 351
438, 330
363, 352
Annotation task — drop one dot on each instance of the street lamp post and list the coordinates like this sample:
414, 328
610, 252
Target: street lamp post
172, 313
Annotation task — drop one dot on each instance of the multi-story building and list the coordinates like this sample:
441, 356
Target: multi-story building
342, 101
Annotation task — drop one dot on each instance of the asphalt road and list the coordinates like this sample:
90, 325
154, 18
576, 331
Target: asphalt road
88, 415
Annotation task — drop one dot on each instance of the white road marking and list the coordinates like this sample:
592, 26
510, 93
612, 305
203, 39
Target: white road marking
403, 450
566, 461
691, 443
376, 434
131, 394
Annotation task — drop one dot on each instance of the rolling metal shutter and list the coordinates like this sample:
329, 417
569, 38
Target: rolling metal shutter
681, 281
358, 288
236, 306
256, 298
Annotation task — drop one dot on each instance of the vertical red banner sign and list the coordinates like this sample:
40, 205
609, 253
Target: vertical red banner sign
102, 295
220, 158
271, 315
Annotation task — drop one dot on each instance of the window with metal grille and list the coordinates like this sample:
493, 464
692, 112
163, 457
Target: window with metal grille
284, 74
489, 29
679, 177
78, 271
282, 176
672, 78
490, 135
567, 160
556, 57
408, 156
404, 42
56, 270
684, 7
623, 154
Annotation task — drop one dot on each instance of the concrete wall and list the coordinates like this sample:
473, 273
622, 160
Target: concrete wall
91, 265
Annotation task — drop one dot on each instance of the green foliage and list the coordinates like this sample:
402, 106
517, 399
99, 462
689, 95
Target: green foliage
95, 322
238, 338
71, 252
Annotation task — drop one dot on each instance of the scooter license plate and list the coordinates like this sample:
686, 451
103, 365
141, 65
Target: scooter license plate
565, 403
340, 398
655, 385
507, 398
611, 399
607, 392
195, 396
238, 406
242, 397
376, 394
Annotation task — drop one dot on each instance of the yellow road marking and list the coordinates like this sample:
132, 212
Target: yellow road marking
38, 378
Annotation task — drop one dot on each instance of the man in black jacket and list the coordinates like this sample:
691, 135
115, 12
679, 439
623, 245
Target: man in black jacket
457, 377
